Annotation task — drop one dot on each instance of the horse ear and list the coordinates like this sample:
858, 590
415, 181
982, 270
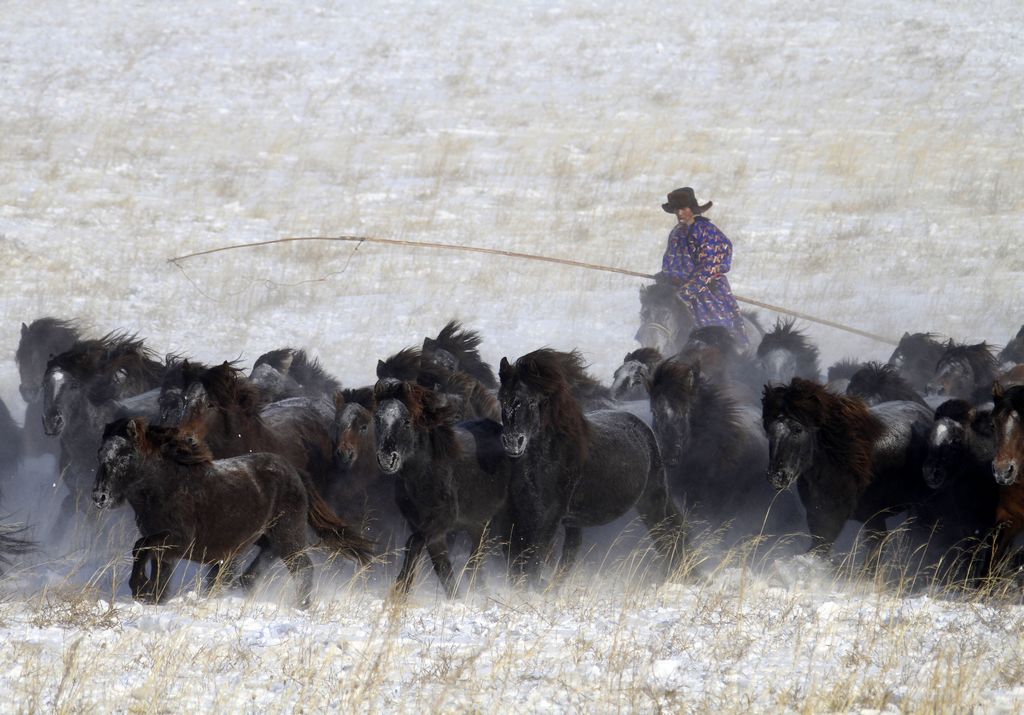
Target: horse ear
133, 430
381, 369
905, 335
429, 343
339, 400
504, 369
24, 330
997, 390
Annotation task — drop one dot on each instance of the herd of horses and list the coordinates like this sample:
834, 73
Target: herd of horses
217, 461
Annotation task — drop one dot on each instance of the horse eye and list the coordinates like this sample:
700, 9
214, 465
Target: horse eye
363, 428
797, 428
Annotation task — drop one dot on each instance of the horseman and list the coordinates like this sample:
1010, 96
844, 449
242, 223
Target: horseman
696, 260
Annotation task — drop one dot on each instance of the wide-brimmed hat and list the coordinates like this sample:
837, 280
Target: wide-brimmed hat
684, 199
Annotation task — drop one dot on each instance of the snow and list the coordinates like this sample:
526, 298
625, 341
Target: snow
864, 159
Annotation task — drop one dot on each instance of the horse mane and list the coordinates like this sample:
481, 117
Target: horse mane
296, 364
60, 332
96, 362
362, 396
428, 412
882, 380
786, 336
979, 356
182, 373
844, 369
845, 427
554, 374
463, 344
1009, 398
403, 365
647, 356
173, 443
228, 388
714, 336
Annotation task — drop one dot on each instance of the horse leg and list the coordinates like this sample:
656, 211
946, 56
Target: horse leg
477, 555
413, 550
664, 524
875, 532
259, 564
570, 549
824, 526
438, 550
149, 554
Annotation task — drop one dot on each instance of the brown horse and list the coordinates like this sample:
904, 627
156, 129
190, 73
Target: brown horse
224, 407
1007, 416
848, 461
189, 506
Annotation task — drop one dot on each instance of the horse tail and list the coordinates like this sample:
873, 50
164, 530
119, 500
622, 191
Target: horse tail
13, 543
333, 530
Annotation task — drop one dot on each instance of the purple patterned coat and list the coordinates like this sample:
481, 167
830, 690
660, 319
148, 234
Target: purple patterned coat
696, 259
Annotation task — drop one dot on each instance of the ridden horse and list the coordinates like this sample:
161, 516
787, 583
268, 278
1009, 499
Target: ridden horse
960, 510
965, 372
848, 461
40, 341
84, 388
288, 372
576, 470
229, 412
915, 357
785, 352
188, 505
457, 350
448, 478
714, 450
665, 319
875, 383
629, 381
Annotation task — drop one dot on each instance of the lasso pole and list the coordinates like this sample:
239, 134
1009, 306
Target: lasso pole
527, 256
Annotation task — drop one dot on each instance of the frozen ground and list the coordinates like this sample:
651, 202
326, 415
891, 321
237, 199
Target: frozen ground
865, 160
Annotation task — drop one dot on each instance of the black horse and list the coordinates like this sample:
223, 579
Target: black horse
576, 470
457, 350
188, 505
847, 460
288, 372
915, 357
965, 372
665, 319
1013, 353
714, 452
960, 511
84, 388
450, 478
629, 381
875, 383
785, 352
837, 377
40, 341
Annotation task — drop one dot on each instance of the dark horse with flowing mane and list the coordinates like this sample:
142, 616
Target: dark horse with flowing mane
457, 350
40, 341
965, 372
915, 357
848, 461
875, 383
188, 505
714, 452
785, 352
450, 478
576, 470
629, 381
84, 388
229, 412
288, 372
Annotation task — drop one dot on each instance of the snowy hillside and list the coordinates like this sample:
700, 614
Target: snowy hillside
864, 160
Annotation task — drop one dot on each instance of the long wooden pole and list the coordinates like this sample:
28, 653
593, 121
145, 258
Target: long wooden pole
527, 256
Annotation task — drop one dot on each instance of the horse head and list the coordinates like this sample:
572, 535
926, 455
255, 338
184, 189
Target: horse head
351, 430
791, 438
119, 457
1008, 404
674, 388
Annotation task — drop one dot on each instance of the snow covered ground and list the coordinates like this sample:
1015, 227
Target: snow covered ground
865, 160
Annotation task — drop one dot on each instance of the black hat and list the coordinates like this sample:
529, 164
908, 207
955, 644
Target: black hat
684, 199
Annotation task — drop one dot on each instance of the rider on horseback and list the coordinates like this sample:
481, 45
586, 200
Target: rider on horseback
696, 260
